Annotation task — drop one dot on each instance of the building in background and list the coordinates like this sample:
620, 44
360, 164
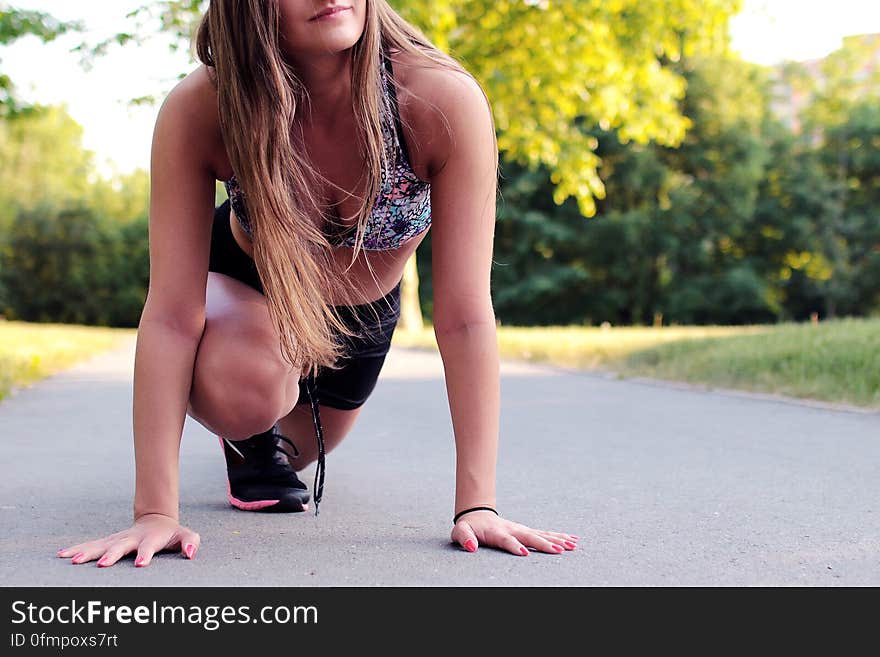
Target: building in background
794, 82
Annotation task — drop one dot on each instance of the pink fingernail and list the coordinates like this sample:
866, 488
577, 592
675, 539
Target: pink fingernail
570, 545
470, 545
102, 562
558, 548
524, 552
139, 562
76, 556
190, 550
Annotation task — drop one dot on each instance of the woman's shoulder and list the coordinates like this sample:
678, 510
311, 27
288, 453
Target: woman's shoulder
191, 108
193, 97
432, 99
425, 78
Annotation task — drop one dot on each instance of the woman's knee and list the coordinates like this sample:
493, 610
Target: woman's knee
237, 391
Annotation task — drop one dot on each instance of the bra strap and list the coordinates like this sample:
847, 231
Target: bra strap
392, 93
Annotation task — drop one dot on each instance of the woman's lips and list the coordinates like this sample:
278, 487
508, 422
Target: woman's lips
333, 14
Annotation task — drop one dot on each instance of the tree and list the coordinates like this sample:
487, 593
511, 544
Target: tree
123, 198
41, 159
851, 159
698, 233
713, 276
840, 95
74, 265
15, 24
782, 237
554, 70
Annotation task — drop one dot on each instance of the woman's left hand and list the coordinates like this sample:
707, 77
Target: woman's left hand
485, 528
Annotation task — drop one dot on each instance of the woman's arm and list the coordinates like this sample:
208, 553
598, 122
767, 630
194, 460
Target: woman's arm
181, 214
463, 191
171, 325
162, 375
470, 361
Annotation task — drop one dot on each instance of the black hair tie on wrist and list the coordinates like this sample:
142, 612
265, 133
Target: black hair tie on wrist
476, 508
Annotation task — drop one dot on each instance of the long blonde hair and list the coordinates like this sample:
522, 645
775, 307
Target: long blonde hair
259, 94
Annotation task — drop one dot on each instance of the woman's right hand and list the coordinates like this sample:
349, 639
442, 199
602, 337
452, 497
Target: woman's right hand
150, 533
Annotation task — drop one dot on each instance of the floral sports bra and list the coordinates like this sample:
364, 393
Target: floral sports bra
402, 208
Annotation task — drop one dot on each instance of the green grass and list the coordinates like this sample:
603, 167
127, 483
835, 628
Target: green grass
836, 361
578, 346
32, 351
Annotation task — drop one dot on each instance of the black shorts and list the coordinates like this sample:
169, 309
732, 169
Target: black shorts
346, 388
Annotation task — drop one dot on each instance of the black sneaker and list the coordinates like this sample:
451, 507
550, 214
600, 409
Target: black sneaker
259, 475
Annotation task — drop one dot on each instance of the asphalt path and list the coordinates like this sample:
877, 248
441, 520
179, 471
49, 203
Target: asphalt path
666, 485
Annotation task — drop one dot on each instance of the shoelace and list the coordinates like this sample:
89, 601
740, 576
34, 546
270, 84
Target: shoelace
288, 441
284, 472
278, 471
319, 434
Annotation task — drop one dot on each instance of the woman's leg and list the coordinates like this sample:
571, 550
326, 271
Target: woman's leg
241, 384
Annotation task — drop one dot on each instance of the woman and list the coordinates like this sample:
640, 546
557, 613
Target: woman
342, 135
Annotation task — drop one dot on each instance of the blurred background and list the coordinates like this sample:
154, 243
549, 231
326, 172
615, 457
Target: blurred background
689, 187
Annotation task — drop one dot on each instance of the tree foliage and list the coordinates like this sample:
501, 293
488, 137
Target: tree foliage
73, 246
74, 265
41, 159
729, 227
705, 207
553, 68
15, 24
